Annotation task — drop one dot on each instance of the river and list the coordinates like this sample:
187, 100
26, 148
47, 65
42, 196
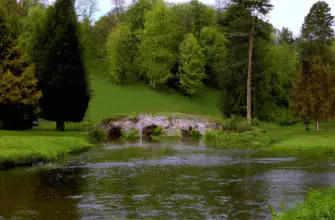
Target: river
161, 181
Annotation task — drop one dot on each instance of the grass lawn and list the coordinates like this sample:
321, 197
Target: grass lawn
26, 147
295, 138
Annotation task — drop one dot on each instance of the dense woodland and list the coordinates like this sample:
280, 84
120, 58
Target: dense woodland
262, 72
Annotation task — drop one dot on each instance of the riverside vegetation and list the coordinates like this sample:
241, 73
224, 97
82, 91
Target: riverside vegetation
225, 63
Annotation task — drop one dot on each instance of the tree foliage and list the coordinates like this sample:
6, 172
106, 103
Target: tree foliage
18, 86
121, 53
214, 46
244, 24
312, 96
159, 45
318, 24
191, 68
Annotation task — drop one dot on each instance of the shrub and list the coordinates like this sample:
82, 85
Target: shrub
158, 131
132, 134
237, 124
317, 205
97, 136
195, 135
249, 139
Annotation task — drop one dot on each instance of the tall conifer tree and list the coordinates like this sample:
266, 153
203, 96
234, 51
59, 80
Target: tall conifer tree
60, 67
312, 96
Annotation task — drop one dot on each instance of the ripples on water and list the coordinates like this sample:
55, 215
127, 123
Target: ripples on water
160, 182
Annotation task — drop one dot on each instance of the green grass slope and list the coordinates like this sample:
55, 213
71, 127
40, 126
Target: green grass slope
110, 99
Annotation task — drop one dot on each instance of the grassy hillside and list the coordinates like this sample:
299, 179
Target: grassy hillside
110, 99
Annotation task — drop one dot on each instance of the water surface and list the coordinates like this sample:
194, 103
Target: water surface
161, 181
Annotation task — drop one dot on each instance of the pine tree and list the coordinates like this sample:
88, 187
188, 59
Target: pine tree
245, 22
191, 68
60, 68
18, 93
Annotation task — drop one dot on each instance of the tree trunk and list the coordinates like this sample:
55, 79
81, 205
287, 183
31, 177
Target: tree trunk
317, 125
60, 125
249, 80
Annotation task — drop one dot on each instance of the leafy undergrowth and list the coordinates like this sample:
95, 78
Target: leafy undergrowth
318, 205
27, 147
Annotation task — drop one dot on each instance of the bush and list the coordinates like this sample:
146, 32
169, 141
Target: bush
195, 135
249, 139
97, 136
158, 131
317, 205
133, 134
237, 124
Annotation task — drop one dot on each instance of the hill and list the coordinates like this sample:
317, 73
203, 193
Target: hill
110, 99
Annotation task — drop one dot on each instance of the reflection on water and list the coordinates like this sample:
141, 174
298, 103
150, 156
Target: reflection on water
160, 182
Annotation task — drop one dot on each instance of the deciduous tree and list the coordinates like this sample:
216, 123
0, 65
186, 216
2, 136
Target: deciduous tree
191, 67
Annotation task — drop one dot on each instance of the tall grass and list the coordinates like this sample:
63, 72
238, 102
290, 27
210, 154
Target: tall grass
319, 205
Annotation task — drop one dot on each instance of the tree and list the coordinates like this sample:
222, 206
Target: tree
60, 68
119, 7
86, 9
135, 14
286, 36
312, 96
31, 25
100, 33
159, 45
245, 23
318, 24
193, 16
314, 83
121, 54
214, 46
18, 93
191, 68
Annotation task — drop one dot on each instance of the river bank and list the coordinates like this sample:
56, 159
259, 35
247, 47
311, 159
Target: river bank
319, 204
19, 148
270, 137
41, 144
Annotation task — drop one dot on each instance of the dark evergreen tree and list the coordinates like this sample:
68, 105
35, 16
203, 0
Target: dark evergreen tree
60, 68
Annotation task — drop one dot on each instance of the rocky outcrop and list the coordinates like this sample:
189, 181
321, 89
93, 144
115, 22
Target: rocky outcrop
147, 123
